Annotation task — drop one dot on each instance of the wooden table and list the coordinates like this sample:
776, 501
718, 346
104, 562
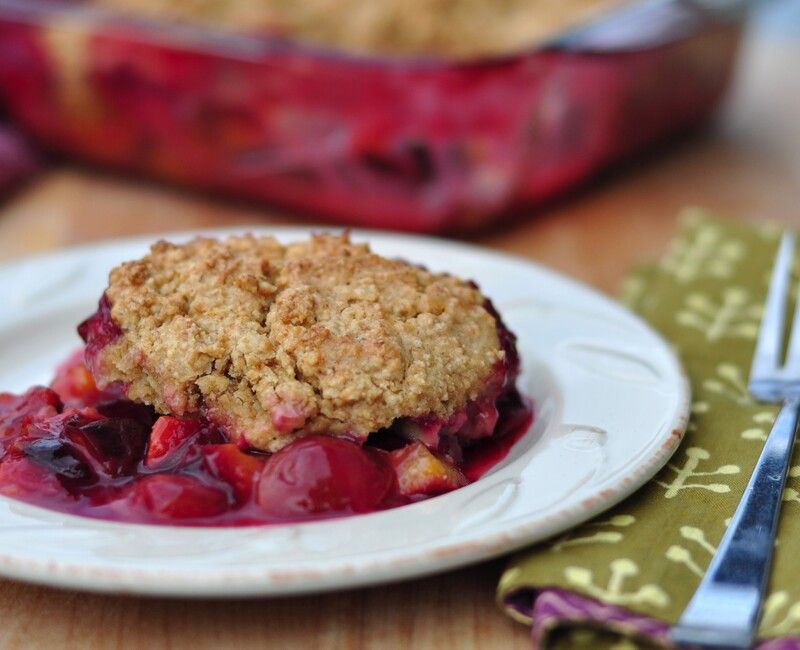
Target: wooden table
747, 165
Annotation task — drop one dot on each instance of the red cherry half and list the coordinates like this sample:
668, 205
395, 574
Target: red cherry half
322, 474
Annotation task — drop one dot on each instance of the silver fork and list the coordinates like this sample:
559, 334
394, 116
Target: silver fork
724, 611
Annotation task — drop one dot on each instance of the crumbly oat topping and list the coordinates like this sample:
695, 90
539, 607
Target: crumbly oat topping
276, 342
458, 28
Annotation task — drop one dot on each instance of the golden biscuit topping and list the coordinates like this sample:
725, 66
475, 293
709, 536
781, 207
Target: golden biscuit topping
276, 342
457, 28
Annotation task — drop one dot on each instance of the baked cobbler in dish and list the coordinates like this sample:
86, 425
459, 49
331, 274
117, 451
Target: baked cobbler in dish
246, 381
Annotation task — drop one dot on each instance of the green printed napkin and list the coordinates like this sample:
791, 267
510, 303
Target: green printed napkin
620, 580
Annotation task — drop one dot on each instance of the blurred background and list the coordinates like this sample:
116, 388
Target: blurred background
531, 126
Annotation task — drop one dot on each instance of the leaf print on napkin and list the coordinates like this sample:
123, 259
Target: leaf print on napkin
682, 555
602, 536
708, 253
620, 572
694, 458
732, 316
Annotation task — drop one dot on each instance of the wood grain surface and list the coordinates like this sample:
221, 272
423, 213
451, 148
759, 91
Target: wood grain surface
747, 165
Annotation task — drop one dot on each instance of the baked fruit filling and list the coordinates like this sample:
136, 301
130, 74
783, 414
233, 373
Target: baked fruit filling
244, 382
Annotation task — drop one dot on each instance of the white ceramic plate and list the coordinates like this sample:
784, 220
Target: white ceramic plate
611, 406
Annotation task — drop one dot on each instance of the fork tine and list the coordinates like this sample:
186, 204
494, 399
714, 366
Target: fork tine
767, 358
792, 368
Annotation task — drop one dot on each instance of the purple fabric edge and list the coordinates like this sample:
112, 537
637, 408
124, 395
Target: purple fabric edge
551, 607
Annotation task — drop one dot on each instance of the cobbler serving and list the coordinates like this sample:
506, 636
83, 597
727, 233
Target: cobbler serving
245, 381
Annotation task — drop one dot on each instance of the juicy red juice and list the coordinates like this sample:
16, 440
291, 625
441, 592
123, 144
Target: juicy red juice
85, 451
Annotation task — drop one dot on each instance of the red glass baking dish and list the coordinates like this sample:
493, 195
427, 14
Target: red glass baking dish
419, 144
